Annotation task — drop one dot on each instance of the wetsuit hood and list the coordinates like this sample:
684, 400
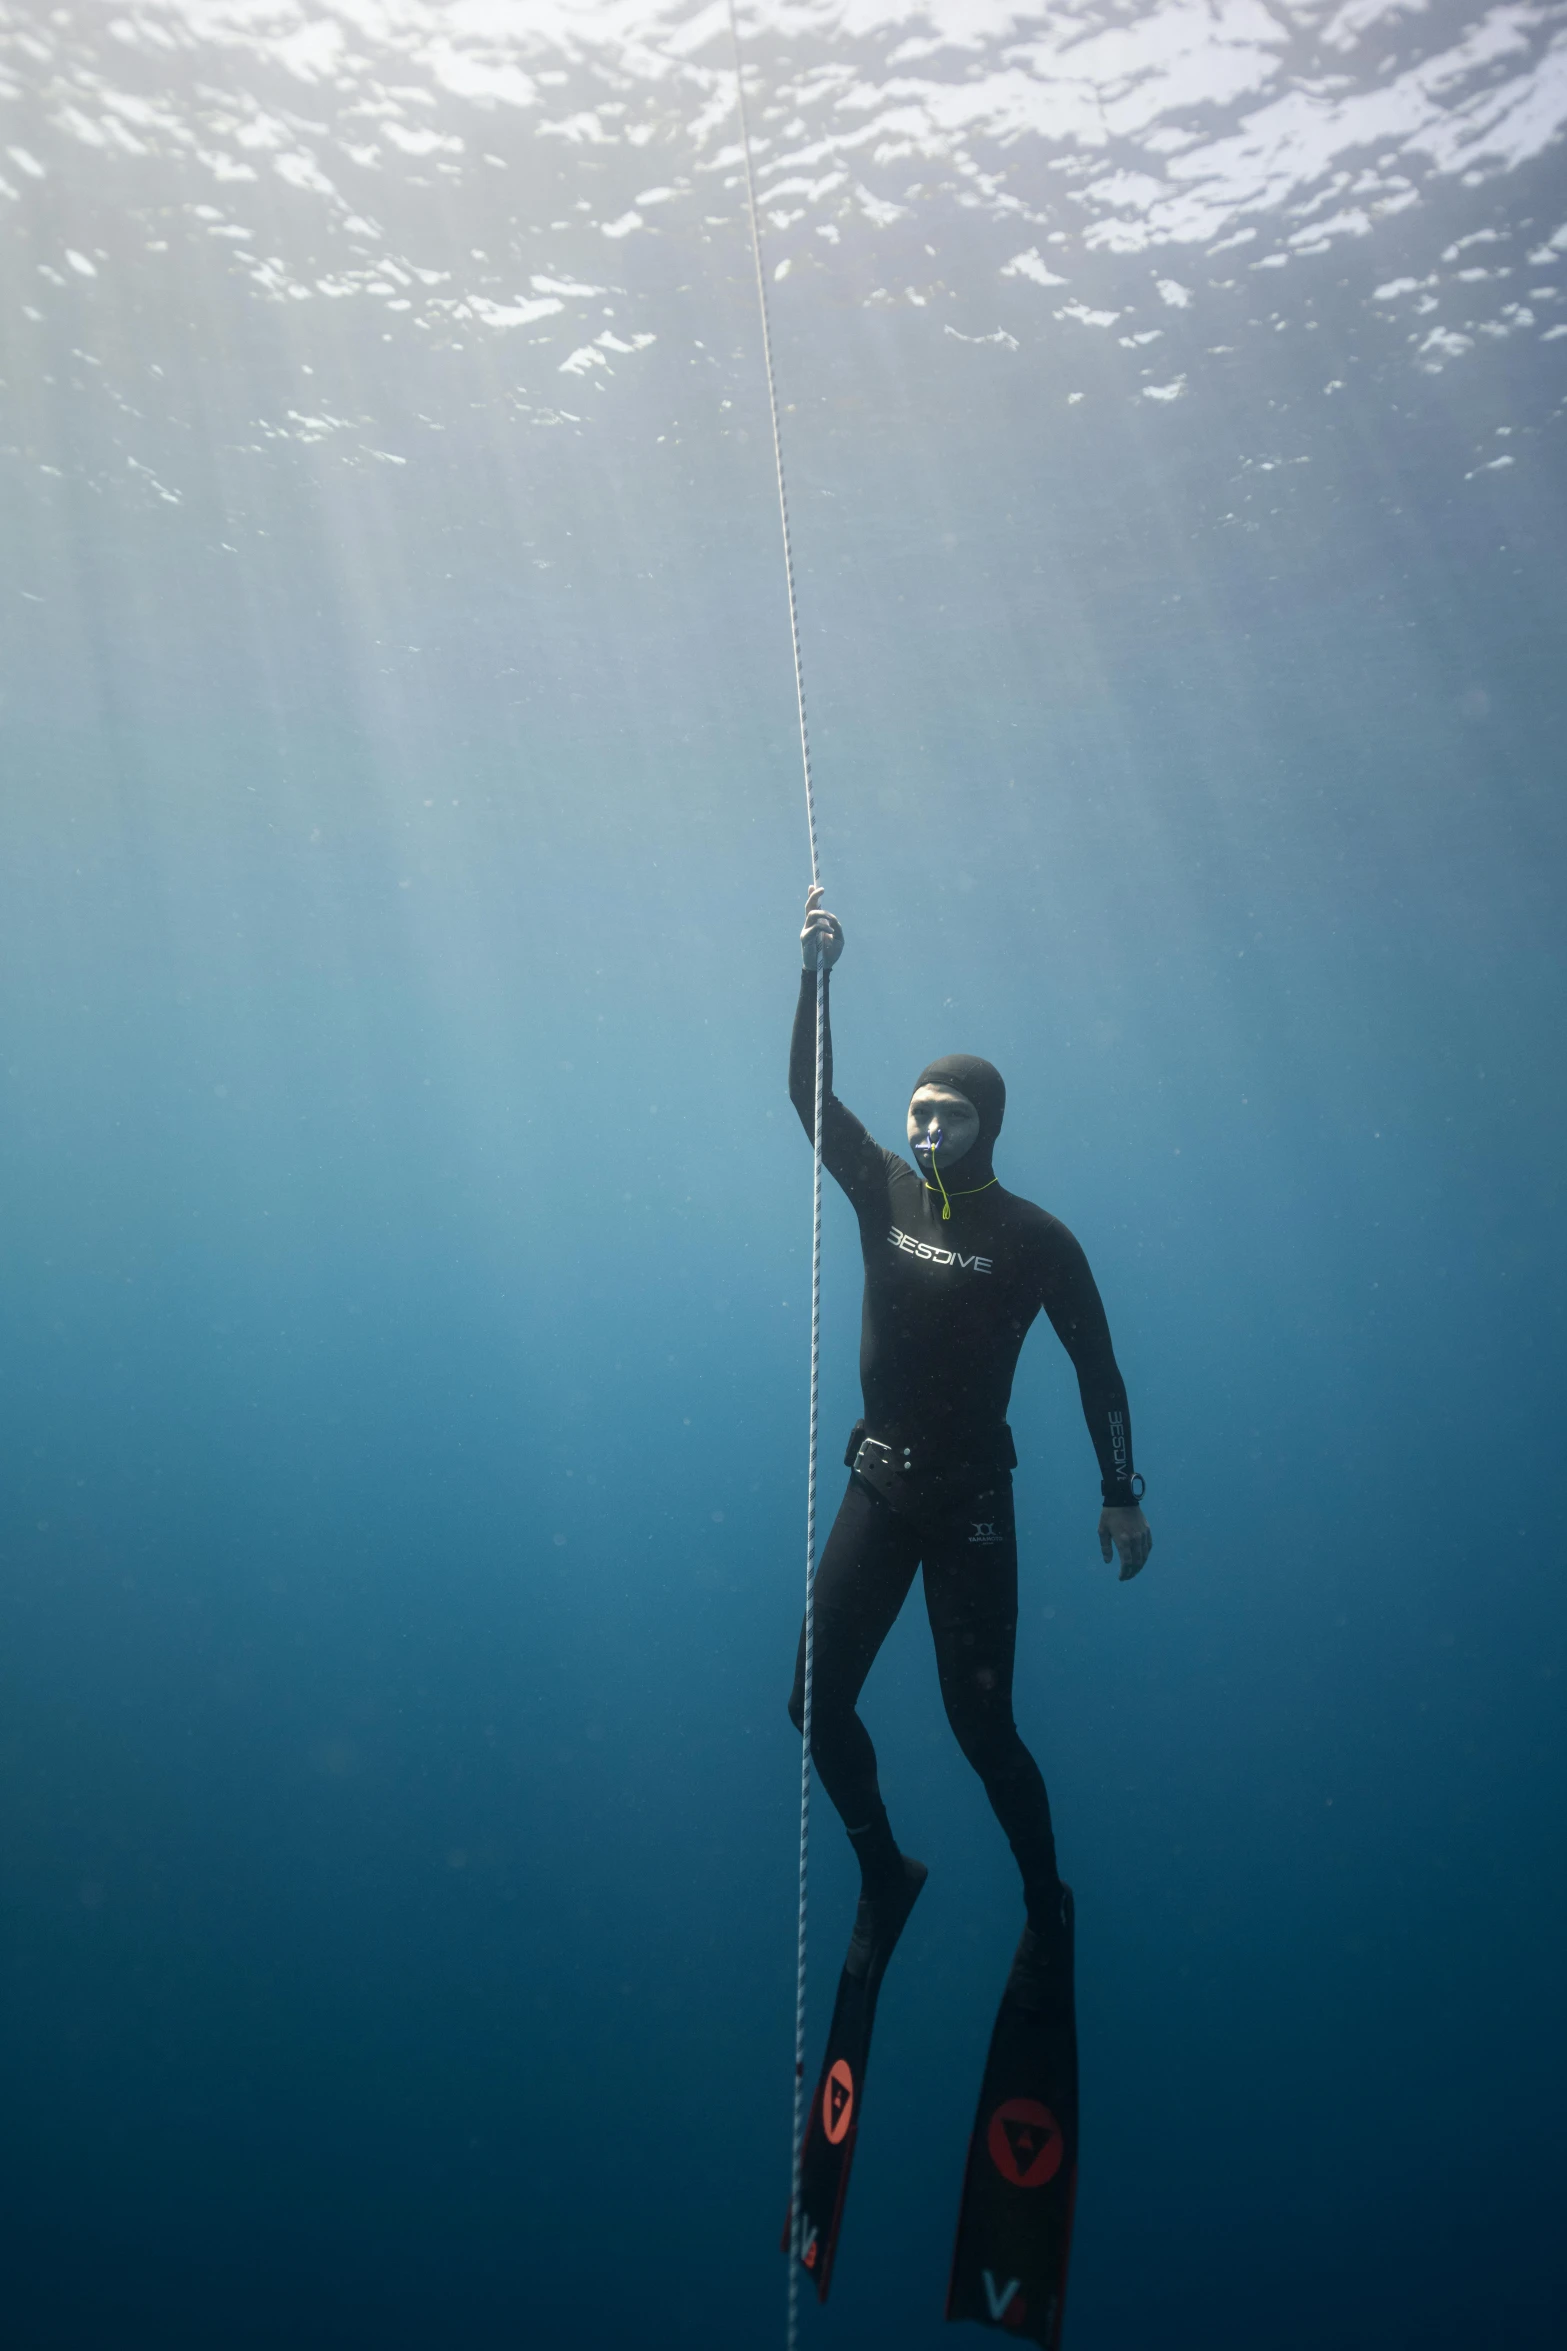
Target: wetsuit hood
981, 1082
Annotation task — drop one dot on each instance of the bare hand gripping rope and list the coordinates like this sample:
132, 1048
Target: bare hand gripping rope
795, 2208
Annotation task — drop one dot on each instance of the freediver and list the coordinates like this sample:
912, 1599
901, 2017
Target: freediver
956, 1269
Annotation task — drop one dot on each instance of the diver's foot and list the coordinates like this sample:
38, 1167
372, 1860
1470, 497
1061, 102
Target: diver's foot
881, 1919
1043, 1952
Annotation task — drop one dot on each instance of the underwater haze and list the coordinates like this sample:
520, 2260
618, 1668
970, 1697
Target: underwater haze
406, 1233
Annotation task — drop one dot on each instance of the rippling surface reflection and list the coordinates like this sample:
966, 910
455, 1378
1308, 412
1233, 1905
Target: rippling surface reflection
1136, 190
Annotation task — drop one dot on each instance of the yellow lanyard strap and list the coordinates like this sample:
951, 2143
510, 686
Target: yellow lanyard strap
948, 1198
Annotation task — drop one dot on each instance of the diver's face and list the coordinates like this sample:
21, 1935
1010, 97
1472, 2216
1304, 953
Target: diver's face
942, 1126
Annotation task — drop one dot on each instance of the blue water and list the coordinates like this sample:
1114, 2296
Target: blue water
406, 1234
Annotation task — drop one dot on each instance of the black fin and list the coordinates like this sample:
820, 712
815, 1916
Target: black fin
1015, 2225
832, 2120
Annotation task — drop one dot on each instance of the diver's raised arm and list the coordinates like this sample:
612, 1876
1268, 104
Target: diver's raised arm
848, 1153
822, 936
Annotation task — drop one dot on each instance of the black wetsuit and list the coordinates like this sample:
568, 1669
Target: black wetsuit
948, 1303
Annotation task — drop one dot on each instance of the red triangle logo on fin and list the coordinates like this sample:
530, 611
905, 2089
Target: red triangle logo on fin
838, 2102
1024, 2142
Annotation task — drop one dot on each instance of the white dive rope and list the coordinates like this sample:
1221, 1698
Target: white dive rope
793, 2328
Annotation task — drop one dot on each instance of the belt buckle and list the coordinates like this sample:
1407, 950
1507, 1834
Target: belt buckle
874, 1455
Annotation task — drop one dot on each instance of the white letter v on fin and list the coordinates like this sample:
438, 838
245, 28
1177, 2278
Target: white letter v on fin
998, 2302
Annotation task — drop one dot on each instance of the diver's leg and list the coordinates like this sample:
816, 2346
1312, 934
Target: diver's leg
971, 1598
862, 1581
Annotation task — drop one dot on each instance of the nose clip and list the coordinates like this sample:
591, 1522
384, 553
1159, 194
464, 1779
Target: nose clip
930, 1143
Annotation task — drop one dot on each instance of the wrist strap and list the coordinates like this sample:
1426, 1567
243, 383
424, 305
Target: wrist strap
1123, 1493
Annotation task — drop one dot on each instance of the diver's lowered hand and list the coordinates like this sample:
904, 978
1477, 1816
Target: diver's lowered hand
1130, 1534
823, 932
